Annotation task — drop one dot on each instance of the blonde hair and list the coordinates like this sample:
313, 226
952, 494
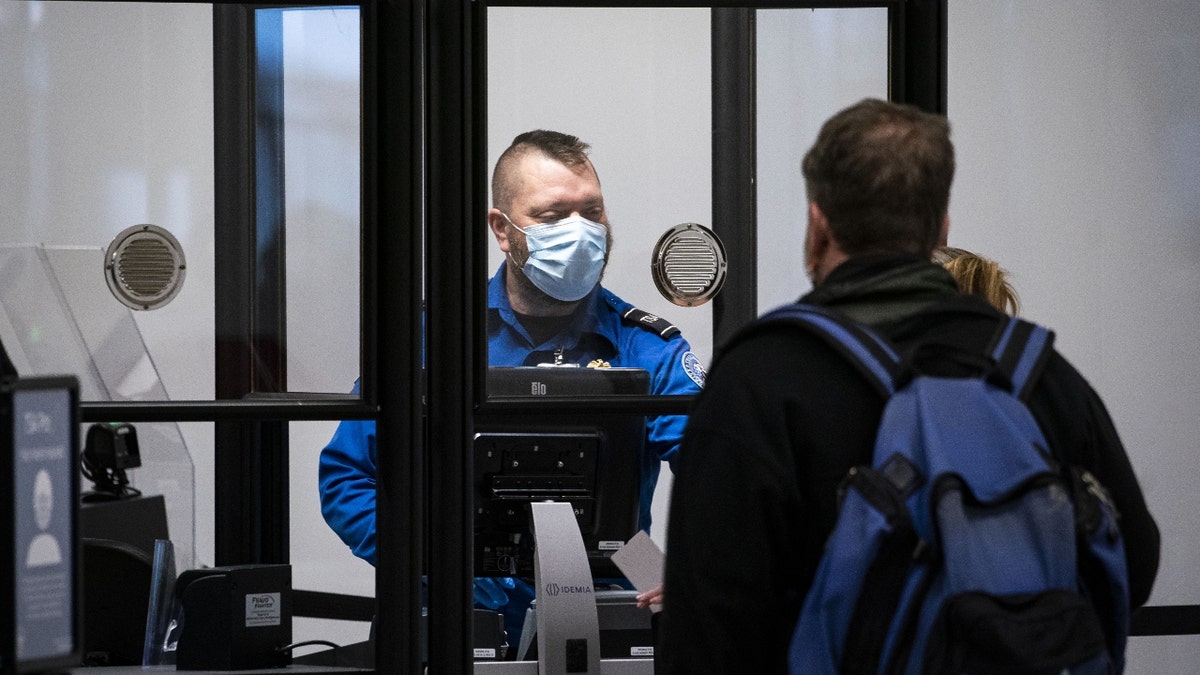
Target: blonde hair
980, 276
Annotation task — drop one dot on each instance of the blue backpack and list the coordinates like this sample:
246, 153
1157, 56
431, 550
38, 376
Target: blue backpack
965, 547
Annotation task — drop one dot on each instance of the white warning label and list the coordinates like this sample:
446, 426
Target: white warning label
263, 609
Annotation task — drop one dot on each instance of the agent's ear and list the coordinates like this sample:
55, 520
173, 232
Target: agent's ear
944, 235
499, 227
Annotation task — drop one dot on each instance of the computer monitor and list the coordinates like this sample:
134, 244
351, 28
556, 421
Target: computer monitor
40, 625
592, 460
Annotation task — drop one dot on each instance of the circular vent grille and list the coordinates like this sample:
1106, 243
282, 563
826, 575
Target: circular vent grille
144, 267
688, 264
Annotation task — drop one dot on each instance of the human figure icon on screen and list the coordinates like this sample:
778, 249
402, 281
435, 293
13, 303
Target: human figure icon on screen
43, 549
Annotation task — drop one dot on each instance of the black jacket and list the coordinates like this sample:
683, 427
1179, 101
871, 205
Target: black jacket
781, 420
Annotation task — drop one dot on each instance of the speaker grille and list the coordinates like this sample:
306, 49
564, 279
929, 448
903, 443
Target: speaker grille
144, 267
689, 264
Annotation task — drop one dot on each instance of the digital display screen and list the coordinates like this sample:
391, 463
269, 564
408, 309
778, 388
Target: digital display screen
43, 496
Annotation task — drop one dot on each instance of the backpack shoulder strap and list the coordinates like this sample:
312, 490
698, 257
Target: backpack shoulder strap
1020, 350
872, 354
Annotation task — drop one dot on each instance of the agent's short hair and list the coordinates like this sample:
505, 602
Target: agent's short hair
881, 174
565, 148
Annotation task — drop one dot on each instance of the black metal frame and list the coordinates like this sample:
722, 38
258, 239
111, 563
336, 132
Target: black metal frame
394, 61
454, 113
735, 163
252, 520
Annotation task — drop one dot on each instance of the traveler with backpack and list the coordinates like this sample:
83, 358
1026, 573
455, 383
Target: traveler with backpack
793, 403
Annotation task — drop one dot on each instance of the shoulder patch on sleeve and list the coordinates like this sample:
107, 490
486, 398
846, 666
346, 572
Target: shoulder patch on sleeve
664, 328
694, 369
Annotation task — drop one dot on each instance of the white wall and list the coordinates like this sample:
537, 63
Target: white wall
1077, 126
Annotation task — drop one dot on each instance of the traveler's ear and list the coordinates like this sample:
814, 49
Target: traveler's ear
944, 235
818, 240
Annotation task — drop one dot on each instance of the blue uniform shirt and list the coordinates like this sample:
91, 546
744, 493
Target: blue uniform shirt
605, 327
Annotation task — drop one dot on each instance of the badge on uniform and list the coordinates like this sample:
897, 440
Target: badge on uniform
693, 368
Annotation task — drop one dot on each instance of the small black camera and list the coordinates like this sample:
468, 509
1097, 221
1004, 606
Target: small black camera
110, 449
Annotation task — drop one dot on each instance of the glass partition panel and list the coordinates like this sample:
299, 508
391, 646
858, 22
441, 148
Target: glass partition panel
39, 331
320, 560
321, 113
634, 84
811, 63
57, 320
54, 322
319, 53
108, 124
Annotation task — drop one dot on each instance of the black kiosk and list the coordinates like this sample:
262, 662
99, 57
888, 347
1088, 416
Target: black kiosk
556, 494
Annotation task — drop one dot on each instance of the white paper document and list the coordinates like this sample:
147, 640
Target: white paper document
641, 561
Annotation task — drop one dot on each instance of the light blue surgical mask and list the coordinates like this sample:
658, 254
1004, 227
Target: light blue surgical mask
566, 258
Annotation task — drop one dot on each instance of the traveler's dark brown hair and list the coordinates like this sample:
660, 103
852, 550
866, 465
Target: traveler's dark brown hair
881, 174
